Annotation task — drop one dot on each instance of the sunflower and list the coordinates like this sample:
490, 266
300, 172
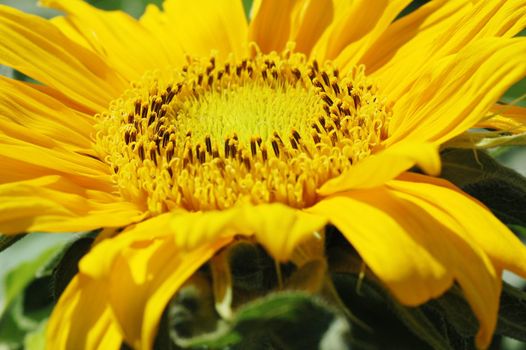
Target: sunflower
194, 126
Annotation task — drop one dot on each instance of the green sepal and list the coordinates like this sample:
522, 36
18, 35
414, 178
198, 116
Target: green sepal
501, 189
65, 266
290, 320
512, 314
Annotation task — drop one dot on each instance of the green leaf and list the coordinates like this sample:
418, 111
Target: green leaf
247, 4
501, 189
290, 320
19, 278
516, 94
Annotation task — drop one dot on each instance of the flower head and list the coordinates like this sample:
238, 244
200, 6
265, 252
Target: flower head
191, 127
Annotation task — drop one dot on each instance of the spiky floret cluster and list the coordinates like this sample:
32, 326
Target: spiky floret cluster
265, 128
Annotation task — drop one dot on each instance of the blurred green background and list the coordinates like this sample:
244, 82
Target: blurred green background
25, 259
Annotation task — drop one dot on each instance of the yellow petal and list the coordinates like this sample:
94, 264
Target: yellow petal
452, 32
37, 48
480, 226
41, 114
413, 253
125, 44
54, 204
277, 227
82, 319
200, 26
270, 26
420, 25
384, 166
456, 92
151, 260
505, 118
310, 18
474, 224
360, 24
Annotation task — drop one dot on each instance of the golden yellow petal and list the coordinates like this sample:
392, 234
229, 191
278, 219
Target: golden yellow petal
127, 47
277, 227
456, 92
151, 260
413, 253
356, 28
39, 114
453, 31
200, 26
54, 204
95, 329
508, 118
385, 165
271, 24
480, 226
310, 18
417, 27
37, 48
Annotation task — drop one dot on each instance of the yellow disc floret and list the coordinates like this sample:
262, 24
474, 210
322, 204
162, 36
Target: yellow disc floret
266, 128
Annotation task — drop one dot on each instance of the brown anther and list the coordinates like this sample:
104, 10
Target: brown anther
199, 79
144, 110
210, 80
264, 74
227, 68
127, 137
318, 84
275, 75
153, 155
130, 118
315, 65
138, 104
296, 136
275, 147
336, 88
166, 137
356, 100
250, 71
246, 161
253, 149
325, 78
316, 138
264, 153
227, 148
238, 71
208, 143
163, 111
259, 140
244, 64
152, 118
293, 143
296, 73
233, 149
140, 151
334, 137
169, 151
327, 99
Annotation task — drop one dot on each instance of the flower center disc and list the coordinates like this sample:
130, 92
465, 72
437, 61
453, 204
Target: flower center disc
267, 128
